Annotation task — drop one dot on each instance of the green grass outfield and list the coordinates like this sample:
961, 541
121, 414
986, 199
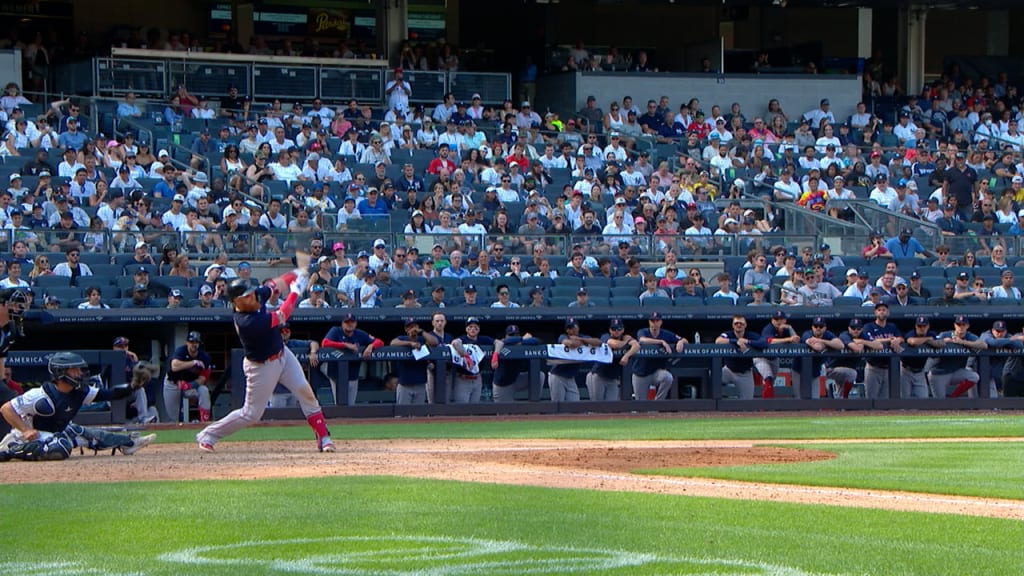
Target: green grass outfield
387, 526
993, 470
382, 526
710, 427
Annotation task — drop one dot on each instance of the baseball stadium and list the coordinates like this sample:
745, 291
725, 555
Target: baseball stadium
432, 287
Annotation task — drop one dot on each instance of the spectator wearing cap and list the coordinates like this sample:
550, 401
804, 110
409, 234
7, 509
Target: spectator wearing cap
954, 371
822, 112
316, 299
882, 194
207, 298
1006, 289
370, 292
961, 180
138, 297
582, 299
859, 288
906, 246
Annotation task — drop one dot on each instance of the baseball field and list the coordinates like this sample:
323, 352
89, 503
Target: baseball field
734, 494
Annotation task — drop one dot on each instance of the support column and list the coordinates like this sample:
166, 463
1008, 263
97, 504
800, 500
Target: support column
241, 23
913, 41
997, 38
392, 27
864, 34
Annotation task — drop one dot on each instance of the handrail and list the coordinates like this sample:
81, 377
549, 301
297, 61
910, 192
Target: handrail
246, 58
870, 206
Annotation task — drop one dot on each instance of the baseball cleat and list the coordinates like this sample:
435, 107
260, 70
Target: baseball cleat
138, 444
206, 447
325, 445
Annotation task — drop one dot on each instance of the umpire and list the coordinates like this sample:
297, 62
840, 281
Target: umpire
913, 380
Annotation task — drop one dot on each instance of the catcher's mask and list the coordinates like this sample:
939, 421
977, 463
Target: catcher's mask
16, 300
61, 362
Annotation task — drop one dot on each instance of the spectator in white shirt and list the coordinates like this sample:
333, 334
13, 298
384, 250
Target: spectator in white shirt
822, 112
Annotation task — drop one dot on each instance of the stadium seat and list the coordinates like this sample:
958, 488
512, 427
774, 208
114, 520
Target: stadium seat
656, 301
46, 282
847, 301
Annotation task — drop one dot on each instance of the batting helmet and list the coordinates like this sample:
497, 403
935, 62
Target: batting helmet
239, 287
60, 363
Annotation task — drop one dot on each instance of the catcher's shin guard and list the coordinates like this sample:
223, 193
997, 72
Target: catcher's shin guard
318, 424
57, 447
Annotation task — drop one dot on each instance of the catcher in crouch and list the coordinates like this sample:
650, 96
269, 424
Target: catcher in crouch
42, 417
267, 360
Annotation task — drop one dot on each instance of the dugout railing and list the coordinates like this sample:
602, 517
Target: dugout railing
699, 363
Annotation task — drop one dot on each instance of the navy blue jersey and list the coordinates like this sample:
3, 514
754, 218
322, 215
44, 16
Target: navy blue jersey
509, 370
947, 364
770, 331
412, 372
742, 364
445, 338
482, 341
6, 338
873, 331
181, 353
358, 337
52, 410
915, 363
850, 360
612, 371
260, 340
648, 366
817, 361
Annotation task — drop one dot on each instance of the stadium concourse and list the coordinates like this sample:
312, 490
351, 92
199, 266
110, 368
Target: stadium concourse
660, 207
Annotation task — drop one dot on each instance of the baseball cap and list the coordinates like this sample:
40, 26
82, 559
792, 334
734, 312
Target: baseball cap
922, 321
409, 321
582, 290
654, 316
780, 314
824, 247
206, 289
571, 323
511, 330
824, 101
178, 198
201, 177
616, 325
915, 275
818, 321
379, 242
881, 178
142, 270
961, 319
469, 288
320, 287
349, 317
370, 273
140, 245
856, 323
963, 276
999, 325
882, 304
852, 272
120, 341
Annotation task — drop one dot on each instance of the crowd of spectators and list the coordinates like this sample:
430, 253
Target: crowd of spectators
625, 193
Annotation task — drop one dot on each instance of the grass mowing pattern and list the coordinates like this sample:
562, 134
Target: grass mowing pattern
711, 428
124, 528
974, 469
